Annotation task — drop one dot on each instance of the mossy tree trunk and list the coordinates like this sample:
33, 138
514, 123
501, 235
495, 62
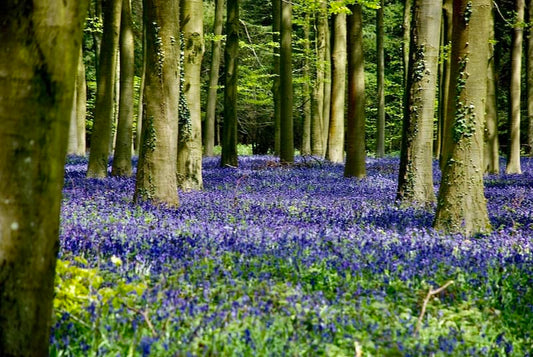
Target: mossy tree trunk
104, 104
123, 147
415, 180
231, 53
380, 125
189, 167
156, 172
286, 150
40, 49
355, 134
461, 205
335, 151
216, 45
513, 162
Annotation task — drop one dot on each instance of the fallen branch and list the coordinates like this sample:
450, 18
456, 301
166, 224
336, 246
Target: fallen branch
431, 293
146, 317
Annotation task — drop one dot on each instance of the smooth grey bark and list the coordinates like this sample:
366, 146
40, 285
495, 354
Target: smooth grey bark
306, 88
461, 204
216, 47
140, 107
38, 57
156, 173
335, 151
515, 92
530, 81
415, 179
444, 81
380, 125
189, 167
326, 115
104, 105
491, 155
124, 138
406, 36
231, 53
317, 103
355, 131
286, 150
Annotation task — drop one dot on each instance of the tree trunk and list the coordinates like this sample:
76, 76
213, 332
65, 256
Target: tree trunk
306, 132
81, 106
276, 23
415, 180
530, 81
491, 155
231, 53
338, 90
103, 110
406, 37
444, 81
190, 146
317, 104
156, 172
462, 207
72, 147
140, 107
513, 163
286, 150
355, 134
380, 127
326, 115
210, 116
122, 157
38, 57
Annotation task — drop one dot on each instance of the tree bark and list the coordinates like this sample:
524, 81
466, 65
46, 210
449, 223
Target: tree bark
444, 83
491, 155
415, 180
462, 207
355, 134
38, 57
406, 37
380, 127
104, 105
123, 146
190, 147
306, 132
326, 115
216, 45
317, 104
231, 53
286, 152
276, 23
156, 172
513, 162
338, 90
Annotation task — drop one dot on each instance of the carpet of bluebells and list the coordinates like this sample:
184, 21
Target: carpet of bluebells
276, 260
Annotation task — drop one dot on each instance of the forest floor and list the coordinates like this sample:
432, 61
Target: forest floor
275, 260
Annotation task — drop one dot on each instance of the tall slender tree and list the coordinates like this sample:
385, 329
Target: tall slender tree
40, 49
406, 36
306, 88
491, 155
231, 53
530, 80
156, 173
286, 150
104, 106
214, 69
513, 163
415, 180
355, 134
461, 205
276, 94
190, 140
444, 82
380, 37
124, 138
335, 151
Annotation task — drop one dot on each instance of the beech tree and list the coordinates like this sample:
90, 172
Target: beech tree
156, 172
461, 205
231, 52
123, 147
380, 125
104, 107
190, 140
276, 94
355, 132
513, 163
216, 46
415, 181
38, 65
491, 155
286, 152
335, 151
76, 135
530, 81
